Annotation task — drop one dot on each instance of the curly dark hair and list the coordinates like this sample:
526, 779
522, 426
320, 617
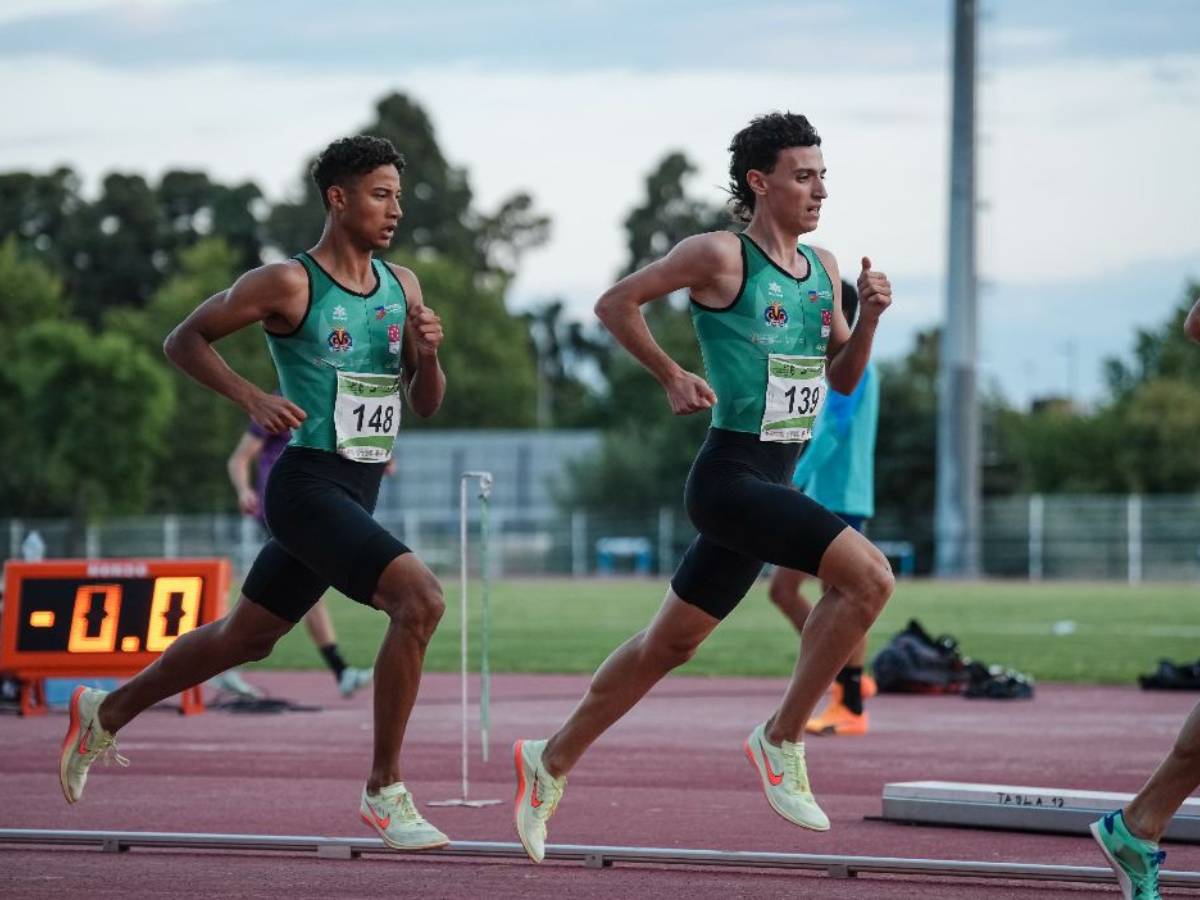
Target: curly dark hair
348, 158
757, 146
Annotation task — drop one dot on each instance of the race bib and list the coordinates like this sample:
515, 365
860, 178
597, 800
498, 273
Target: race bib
795, 394
366, 416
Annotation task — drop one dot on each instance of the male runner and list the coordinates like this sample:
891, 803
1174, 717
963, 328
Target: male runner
347, 333
838, 471
258, 449
1129, 837
767, 313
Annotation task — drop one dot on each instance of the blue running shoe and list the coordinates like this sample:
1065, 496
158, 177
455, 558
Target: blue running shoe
1135, 860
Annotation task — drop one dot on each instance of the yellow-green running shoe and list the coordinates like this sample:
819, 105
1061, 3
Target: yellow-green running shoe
784, 780
1135, 860
85, 742
538, 793
394, 816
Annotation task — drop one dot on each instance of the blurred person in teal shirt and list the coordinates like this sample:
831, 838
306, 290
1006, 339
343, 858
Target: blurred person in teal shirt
838, 471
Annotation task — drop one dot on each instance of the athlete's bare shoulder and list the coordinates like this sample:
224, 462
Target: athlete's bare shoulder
829, 261
712, 251
408, 280
275, 293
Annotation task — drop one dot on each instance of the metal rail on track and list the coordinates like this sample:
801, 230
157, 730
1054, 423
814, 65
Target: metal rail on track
591, 856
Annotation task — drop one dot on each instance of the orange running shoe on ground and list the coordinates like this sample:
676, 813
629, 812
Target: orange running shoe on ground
836, 719
869, 687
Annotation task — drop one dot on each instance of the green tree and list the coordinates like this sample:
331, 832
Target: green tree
647, 451
438, 215
204, 426
487, 357
570, 358
93, 410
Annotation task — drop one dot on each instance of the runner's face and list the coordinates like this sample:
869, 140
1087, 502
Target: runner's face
795, 189
373, 207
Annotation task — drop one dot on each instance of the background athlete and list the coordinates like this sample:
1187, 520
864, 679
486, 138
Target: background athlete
837, 470
347, 334
1129, 837
767, 314
256, 452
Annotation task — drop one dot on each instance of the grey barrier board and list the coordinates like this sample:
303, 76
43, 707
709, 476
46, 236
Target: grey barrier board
591, 856
1016, 808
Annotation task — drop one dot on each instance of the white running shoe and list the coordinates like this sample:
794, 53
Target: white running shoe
352, 679
232, 682
394, 816
785, 780
85, 742
538, 793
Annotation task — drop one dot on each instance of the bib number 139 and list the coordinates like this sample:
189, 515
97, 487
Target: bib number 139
367, 416
795, 394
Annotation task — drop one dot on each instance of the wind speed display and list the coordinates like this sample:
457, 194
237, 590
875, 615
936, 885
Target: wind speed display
104, 617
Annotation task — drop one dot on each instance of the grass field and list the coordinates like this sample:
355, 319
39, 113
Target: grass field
552, 625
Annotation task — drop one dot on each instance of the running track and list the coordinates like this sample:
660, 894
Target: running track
672, 774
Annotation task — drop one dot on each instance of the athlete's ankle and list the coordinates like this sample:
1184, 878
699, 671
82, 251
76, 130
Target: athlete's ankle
1140, 826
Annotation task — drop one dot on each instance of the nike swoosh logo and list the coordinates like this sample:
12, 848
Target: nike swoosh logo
83, 739
533, 797
771, 775
382, 823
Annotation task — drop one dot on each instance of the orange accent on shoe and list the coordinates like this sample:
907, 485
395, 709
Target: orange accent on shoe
381, 823
520, 778
83, 747
772, 776
68, 742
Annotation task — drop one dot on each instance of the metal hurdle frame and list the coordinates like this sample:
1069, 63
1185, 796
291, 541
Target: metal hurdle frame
485, 675
595, 857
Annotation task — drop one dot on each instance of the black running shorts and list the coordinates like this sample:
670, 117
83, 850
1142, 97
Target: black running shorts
740, 497
318, 508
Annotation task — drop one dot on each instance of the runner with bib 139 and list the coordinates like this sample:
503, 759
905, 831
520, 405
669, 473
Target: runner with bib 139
768, 315
348, 333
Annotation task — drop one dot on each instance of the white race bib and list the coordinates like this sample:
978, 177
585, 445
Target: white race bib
366, 416
795, 394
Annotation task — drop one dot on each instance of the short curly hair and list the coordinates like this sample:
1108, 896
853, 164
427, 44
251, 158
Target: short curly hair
757, 146
346, 159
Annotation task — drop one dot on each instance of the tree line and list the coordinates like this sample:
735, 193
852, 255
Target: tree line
99, 424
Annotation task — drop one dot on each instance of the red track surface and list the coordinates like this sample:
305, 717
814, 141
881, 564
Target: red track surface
672, 774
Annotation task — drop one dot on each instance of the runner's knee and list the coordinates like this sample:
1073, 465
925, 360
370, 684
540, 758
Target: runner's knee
667, 652
874, 585
251, 645
418, 610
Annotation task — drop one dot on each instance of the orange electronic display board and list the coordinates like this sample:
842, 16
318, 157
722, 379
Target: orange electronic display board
89, 617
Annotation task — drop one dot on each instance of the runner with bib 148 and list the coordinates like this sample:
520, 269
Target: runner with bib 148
768, 316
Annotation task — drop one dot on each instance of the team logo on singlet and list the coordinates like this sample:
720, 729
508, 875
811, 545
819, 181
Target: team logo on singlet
339, 313
393, 338
827, 317
340, 340
812, 297
382, 311
776, 315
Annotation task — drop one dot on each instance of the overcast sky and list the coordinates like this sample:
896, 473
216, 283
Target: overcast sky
1089, 121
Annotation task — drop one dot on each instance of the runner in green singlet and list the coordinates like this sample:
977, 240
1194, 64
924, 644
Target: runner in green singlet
767, 314
349, 335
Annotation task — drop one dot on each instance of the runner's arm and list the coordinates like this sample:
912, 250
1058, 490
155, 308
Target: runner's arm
260, 295
424, 380
238, 466
848, 351
693, 263
1191, 325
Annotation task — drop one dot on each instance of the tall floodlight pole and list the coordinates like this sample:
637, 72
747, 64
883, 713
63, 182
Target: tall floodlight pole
956, 521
